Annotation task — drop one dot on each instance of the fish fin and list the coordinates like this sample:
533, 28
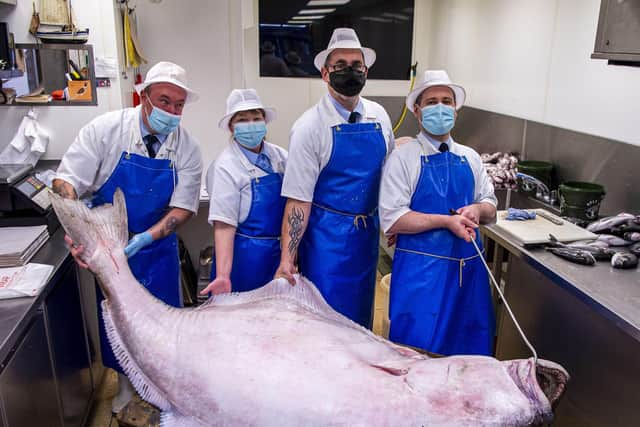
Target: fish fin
106, 224
304, 292
171, 419
140, 382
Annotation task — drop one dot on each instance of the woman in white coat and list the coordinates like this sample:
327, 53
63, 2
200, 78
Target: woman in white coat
245, 206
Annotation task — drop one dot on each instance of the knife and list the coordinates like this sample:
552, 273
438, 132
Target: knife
549, 217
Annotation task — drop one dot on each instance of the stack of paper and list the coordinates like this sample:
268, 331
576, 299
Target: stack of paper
25, 281
19, 244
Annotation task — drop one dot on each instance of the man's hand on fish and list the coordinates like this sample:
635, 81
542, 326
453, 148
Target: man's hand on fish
138, 242
76, 251
287, 269
219, 285
462, 227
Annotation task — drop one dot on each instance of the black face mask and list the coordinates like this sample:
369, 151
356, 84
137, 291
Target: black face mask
347, 82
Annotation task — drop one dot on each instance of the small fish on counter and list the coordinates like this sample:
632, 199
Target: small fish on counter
632, 236
605, 225
612, 240
624, 260
501, 168
575, 255
618, 242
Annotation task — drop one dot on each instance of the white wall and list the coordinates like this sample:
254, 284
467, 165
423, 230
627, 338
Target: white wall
63, 123
204, 37
532, 60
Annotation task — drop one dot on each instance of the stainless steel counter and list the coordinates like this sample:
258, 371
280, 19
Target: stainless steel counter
613, 293
44, 348
585, 318
16, 314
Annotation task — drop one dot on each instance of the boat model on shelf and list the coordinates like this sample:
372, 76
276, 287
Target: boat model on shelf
54, 23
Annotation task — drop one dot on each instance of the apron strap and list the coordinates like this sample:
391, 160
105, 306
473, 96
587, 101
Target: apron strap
460, 261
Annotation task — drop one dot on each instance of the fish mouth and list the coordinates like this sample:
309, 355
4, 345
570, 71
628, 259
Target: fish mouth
543, 383
552, 379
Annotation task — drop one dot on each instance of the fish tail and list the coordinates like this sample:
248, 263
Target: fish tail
104, 225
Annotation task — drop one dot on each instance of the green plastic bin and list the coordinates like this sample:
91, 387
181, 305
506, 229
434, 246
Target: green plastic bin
581, 199
537, 169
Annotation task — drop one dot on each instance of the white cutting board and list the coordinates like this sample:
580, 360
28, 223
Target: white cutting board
536, 231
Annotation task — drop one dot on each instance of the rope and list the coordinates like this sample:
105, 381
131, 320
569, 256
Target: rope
506, 304
460, 261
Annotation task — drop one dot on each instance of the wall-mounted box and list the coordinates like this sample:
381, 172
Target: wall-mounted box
618, 35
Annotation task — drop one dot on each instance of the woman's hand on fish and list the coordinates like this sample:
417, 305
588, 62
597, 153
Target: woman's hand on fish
76, 251
391, 239
462, 227
219, 285
287, 270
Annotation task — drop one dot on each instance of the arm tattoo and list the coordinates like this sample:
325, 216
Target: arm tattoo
171, 224
296, 220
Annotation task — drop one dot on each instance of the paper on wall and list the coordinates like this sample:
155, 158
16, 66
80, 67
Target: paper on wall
106, 67
25, 281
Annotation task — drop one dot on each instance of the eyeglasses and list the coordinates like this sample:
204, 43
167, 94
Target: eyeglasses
341, 66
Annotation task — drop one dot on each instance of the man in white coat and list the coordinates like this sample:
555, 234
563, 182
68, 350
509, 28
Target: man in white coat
147, 154
336, 152
433, 195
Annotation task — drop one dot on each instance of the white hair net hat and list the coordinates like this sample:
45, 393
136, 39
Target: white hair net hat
244, 100
436, 78
345, 38
168, 72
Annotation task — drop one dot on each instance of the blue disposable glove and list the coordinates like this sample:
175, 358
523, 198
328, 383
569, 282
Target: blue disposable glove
520, 215
138, 242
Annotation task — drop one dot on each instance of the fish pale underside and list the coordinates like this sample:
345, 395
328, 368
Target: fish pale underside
281, 356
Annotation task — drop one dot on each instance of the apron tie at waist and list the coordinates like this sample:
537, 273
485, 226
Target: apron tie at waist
356, 221
362, 215
460, 261
258, 237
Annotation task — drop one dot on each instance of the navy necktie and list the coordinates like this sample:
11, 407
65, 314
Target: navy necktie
353, 117
263, 163
150, 141
443, 147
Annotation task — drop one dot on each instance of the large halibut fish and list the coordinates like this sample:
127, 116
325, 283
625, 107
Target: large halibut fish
280, 356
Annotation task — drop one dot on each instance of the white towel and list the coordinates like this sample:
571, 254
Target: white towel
29, 143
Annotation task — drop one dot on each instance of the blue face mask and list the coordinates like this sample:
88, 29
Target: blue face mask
161, 121
438, 119
249, 134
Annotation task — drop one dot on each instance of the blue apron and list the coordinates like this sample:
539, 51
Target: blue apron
256, 248
339, 250
147, 185
440, 298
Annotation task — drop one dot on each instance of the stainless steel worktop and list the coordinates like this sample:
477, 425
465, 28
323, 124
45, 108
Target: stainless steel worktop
613, 293
16, 313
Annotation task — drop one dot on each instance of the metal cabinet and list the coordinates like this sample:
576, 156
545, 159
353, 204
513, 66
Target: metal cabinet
618, 35
46, 378
601, 358
68, 346
27, 386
